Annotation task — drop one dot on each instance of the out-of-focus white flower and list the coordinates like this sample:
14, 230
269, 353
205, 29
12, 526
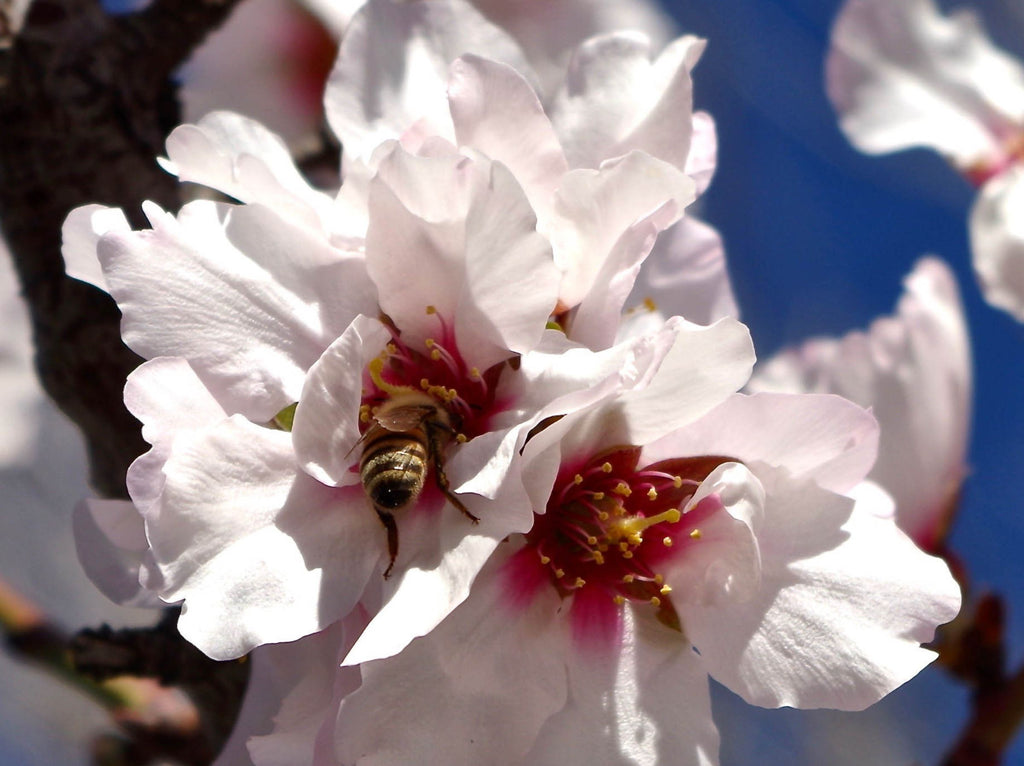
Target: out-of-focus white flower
914, 371
717, 544
900, 74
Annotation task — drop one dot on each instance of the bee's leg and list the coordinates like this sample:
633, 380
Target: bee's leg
439, 476
389, 524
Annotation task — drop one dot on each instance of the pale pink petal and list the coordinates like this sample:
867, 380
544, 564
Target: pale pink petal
466, 230
239, 157
720, 560
256, 326
549, 30
110, 538
617, 100
475, 690
292, 695
703, 157
593, 208
900, 75
392, 71
649, 704
326, 427
435, 578
997, 241
824, 437
846, 600
685, 275
914, 371
259, 551
80, 237
168, 397
495, 111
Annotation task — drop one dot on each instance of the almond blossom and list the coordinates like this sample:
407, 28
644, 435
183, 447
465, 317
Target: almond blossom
900, 74
668, 546
913, 370
278, 327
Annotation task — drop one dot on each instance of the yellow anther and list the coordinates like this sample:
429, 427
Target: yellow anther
652, 494
696, 534
667, 542
677, 481
429, 342
665, 590
623, 546
627, 554
376, 367
650, 305
598, 496
658, 579
431, 310
545, 560
635, 539
655, 601
619, 599
461, 438
435, 354
391, 348
559, 573
577, 479
591, 540
597, 557
606, 467
622, 489
603, 515
627, 579
474, 373
580, 582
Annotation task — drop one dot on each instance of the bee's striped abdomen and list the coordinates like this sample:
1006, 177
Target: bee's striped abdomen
393, 467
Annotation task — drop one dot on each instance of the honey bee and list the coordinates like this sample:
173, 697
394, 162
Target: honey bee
404, 443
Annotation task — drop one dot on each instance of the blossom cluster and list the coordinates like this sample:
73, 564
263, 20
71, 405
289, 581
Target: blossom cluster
468, 450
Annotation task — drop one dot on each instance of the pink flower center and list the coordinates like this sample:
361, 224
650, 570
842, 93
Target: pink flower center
438, 370
609, 528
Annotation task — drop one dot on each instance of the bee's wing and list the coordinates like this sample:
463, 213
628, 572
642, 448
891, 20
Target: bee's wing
404, 418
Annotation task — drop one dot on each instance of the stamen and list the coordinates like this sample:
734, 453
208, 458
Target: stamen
655, 601
376, 367
667, 542
696, 534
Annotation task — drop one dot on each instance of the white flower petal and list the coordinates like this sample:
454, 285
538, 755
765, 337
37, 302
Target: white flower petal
686, 276
81, 235
841, 613
110, 538
466, 230
824, 437
914, 371
448, 553
495, 111
900, 75
392, 71
475, 690
326, 427
593, 208
997, 241
649, 705
703, 157
239, 157
723, 562
167, 396
260, 552
617, 100
249, 326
